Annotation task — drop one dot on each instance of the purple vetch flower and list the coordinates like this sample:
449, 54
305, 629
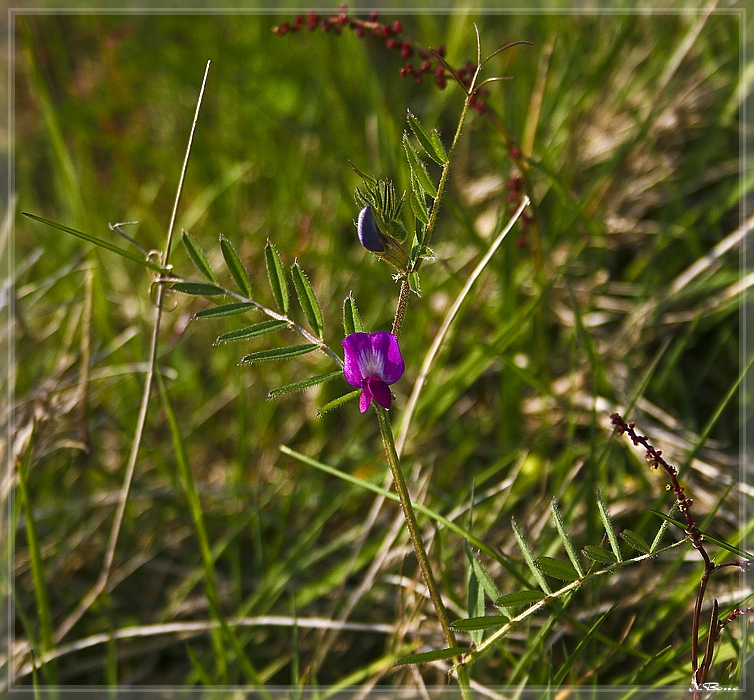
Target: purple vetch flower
372, 362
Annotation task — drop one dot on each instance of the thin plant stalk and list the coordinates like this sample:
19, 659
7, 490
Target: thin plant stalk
421, 553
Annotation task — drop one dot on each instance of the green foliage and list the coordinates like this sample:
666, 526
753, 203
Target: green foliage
619, 288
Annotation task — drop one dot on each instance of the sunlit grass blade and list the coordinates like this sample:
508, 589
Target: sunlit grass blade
235, 266
304, 384
278, 353
232, 309
276, 275
429, 656
134, 257
529, 558
251, 331
201, 289
611, 536
191, 494
351, 317
308, 300
197, 256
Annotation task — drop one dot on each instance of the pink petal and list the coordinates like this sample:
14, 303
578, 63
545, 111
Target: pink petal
379, 391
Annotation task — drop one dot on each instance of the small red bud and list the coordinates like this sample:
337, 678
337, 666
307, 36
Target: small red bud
515, 153
418, 80
312, 21
441, 50
298, 22
426, 65
391, 44
359, 31
406, 50
373, 16
386, 30
397, 27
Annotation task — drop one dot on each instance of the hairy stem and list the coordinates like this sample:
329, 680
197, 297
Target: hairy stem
421, 553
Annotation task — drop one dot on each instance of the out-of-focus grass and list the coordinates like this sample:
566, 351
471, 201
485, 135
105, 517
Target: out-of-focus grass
630, 131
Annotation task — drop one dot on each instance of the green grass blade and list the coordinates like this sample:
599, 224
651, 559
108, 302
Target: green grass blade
276, 275
191, 494
134, 257
197, 256
41, 596
278, 353
304, 384
250, 331
308, 300
235, 267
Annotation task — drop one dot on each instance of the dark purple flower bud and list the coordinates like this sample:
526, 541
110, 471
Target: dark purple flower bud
369, 234
372, 362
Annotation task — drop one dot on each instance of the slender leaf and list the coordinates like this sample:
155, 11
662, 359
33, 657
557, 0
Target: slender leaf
278, 353
529, 558
197, 256
277, 276
473, 624
512, 600
636, 541
201, 289
663, 527
308, 300
418, 169
337, 403
440, 152
97, 241
418, 206
601, 556
474, 596
611, 536
235, 266
570, 549
557, 568
304, 384
250, 331
488, 585
430, 143
351, 316
232, 309
720, 543
427, 656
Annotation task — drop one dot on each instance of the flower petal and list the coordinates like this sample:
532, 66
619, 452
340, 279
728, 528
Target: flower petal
385, 346
366, 397
379, 391
356, 346
369, 233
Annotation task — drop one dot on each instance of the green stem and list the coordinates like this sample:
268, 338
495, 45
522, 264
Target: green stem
421, 553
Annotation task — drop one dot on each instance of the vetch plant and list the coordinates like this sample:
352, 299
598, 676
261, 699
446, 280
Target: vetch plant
699, 669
